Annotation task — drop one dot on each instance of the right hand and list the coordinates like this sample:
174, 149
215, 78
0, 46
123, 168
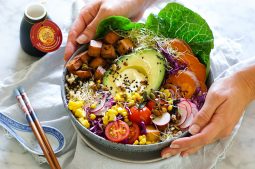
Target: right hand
224, 105
84, 27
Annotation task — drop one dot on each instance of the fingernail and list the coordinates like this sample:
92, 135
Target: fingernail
167, 155
194, 129
82, 39
185, 155
174, 146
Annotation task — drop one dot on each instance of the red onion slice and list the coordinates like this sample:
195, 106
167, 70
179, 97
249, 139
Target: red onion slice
187, 122
100, 106
184, 113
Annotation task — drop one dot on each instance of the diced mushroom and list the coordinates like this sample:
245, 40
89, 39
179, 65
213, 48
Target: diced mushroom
74, 64
111, 37
83, 74
95, 48
99, 73
85, 58
108, 52
97, 62
125, 46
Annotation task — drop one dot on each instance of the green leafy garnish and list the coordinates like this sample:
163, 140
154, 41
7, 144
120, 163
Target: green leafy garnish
177, 21
116, 23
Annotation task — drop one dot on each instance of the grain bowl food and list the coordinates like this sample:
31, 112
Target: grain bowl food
136, 84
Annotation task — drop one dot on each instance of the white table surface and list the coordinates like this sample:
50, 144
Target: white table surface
233, 19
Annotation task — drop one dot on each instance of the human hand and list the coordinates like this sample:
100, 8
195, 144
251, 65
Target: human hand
84, 27
223, 107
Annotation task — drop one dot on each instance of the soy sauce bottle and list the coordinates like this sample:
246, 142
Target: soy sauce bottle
38, 34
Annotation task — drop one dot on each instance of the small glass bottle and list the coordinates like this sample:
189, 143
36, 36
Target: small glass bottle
34, 13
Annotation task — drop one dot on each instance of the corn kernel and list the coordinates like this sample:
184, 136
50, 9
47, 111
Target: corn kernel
162, 89
134, 97
79, 113
92, 116
73, 105
81, 119
124, 113
170, 101
148, 142
112, 117
141, 137
118, 97
84, 122
131, 102
112, 111
164, 109
93, 106
120, 109
143, 141
137, 94
170, 107
167, 93
126, 120
136, 142
105, 120
129, 96
139, 98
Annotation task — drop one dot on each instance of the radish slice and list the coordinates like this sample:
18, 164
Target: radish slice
100, 106
162, 120
187, 122
186, 103
183, 111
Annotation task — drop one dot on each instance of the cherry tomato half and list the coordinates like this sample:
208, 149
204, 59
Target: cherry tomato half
151, 104
117, 131
138, 115
134, 133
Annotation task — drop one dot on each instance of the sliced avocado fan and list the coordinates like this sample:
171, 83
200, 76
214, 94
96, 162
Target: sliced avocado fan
140, 71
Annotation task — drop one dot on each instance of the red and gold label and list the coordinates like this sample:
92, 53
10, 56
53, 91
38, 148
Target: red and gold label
46, 36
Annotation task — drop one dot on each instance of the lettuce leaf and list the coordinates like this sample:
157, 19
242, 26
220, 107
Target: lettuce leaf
116, 23
177, 21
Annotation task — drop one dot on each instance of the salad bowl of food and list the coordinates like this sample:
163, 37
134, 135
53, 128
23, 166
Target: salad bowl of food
137, 87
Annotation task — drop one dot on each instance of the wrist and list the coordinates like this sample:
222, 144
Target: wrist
247, 76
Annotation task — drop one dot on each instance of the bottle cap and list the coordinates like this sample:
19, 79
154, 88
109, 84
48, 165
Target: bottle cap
46, 36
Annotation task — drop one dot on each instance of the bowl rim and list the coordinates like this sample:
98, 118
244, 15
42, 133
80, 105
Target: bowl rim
81, 49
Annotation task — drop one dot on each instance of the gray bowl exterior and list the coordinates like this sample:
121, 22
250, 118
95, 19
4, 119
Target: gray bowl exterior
100, 140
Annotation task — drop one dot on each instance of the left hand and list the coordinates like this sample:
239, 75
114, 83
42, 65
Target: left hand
84, 27
224, 105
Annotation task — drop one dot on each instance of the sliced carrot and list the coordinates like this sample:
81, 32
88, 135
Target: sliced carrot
194, 65
203, 87
180, 46
186, 81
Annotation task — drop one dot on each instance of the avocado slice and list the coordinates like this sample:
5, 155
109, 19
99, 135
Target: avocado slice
140, 71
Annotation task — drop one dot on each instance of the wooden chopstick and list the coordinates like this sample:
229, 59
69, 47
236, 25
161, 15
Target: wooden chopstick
39, 127
35, 125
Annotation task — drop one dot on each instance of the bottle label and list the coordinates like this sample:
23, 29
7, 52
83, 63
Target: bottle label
46, 36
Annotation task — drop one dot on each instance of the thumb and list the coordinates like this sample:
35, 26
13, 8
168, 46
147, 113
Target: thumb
90, 31
203, 117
